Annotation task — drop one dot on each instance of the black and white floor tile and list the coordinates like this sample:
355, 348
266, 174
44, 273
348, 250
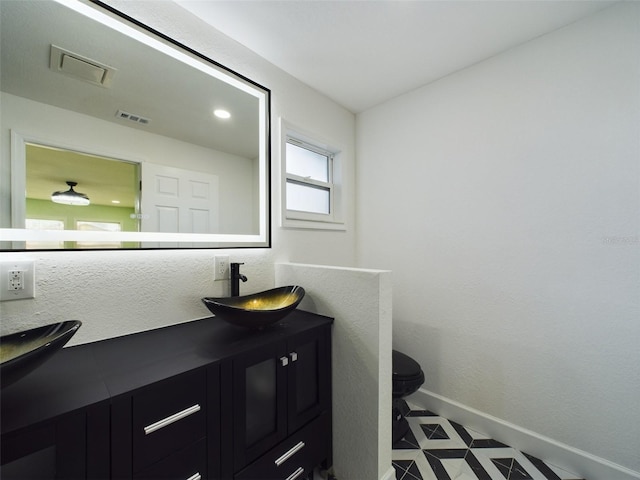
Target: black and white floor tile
439, 449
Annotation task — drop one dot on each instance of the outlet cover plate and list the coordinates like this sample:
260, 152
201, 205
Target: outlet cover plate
221, 267
27, 269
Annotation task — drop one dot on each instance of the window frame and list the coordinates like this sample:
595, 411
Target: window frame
37, 245
305, 219
312, 183
91, 244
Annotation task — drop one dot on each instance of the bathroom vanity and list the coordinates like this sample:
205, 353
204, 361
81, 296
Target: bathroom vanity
198, 400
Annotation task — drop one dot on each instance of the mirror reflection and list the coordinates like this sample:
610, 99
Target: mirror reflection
98, 107
112, 205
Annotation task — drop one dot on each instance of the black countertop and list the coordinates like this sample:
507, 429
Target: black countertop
83, 375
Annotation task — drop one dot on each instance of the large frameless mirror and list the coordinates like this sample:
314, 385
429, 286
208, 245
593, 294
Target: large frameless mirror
114, 136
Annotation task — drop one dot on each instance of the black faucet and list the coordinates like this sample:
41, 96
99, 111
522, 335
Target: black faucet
235, 278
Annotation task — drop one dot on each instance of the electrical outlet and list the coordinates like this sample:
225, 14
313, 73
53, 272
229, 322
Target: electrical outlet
221, 267
17, 279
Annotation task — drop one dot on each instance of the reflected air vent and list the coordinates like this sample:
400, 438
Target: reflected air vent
80, 67
134, 118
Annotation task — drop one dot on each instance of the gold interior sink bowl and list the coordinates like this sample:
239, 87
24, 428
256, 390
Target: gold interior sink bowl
23, 352
256, 310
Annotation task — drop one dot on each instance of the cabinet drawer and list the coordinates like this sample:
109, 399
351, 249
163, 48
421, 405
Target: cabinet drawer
294, 458
187, 464
168, 417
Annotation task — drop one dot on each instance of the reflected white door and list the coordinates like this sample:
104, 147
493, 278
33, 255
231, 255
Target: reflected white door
174, 200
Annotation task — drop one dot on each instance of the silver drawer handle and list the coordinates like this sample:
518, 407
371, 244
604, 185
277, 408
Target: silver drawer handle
171, 419
284, 361
195, 476
295, 449
296, 474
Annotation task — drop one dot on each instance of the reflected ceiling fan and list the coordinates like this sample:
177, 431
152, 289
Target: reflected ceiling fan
70, 197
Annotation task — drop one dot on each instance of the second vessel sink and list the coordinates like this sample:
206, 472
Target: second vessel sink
256, 310
23, 352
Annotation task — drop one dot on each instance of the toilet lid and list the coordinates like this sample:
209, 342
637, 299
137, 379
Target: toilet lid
404, 365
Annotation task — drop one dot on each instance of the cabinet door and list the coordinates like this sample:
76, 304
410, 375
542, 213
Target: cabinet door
259, 396
54, 451
309, 382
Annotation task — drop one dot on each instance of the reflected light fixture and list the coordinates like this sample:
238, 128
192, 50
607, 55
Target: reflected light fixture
70, 197
220, 113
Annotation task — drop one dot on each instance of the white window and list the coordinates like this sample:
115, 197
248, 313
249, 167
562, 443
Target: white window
90, 226
311, 183
43, 224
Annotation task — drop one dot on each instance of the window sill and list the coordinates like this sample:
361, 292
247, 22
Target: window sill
312, 225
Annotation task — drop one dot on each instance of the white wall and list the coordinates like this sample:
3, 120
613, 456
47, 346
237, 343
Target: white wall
360, 302
505, 198
115, 293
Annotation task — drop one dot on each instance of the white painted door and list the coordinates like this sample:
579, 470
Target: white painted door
175, 200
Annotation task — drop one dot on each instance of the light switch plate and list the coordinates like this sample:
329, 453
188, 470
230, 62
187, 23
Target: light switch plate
17, 279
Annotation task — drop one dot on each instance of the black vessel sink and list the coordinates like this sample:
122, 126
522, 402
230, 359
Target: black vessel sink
23, 352
257, 310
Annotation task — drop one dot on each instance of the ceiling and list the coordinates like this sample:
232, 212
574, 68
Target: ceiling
362, 53
178, 99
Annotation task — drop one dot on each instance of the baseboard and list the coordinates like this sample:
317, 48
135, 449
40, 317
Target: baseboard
551, 451
390, 475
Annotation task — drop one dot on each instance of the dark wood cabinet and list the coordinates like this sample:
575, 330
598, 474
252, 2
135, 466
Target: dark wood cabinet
196, 401
69, 447
277, 390
56, 450
294, 457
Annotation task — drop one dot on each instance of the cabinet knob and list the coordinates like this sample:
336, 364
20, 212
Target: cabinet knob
284, 361
294, 356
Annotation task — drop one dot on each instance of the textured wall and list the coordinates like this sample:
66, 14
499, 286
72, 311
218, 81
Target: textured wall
510, 219
115, 293
360, 303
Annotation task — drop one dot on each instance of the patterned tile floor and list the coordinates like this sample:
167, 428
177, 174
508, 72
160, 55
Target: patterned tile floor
439, 449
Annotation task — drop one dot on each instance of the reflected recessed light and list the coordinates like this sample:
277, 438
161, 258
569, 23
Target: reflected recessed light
221, 113
115, 201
